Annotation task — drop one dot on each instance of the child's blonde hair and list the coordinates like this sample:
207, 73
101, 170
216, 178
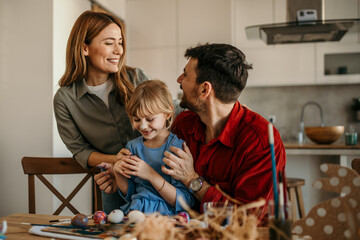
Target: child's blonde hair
151, 97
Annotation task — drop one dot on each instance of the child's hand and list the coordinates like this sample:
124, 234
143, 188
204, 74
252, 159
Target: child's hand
137, 167
119, 168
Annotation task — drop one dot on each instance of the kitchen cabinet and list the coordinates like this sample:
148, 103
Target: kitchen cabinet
159, 32
295, 64
281, 65
249, 13
275, 65
344, 152
337, 63
335, 9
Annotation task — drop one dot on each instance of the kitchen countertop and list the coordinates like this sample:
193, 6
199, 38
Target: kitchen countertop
294, 145
346, 153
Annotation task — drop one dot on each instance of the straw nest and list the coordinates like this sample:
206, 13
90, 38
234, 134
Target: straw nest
243, 225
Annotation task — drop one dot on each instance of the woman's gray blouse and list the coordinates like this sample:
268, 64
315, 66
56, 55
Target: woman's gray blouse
87, 125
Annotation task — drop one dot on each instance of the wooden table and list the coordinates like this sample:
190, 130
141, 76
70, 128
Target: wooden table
19, 231
16, 230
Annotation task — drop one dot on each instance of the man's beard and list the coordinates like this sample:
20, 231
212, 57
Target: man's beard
188, 105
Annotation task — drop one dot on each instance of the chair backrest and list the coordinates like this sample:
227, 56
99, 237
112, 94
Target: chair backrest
39, 166
355, 164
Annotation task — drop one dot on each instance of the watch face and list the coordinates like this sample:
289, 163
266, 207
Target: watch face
195, 185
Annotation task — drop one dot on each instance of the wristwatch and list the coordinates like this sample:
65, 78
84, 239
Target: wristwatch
196, 184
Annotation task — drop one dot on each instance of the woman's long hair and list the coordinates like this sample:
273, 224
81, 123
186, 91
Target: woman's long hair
88, 25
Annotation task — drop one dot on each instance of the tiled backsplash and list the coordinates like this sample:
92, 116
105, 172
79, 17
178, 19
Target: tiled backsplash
285, 104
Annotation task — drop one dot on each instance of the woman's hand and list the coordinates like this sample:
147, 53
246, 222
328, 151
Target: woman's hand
123, 153
137, 167
106, 179
118, 166
181, 164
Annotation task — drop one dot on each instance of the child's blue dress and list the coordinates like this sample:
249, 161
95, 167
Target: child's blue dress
141, 194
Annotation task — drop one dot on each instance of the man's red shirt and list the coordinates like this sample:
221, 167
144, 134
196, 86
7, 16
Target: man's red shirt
238, 160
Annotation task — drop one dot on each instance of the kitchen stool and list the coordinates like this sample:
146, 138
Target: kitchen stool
355, 164
293, 186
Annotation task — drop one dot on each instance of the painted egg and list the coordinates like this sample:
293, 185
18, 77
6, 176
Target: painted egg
99, 217
136, 217
184, 217
116, 216
79, 220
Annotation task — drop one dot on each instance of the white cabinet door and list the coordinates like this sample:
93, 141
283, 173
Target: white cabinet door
341, 9
282, 65
343, 55
249, 13
203, 21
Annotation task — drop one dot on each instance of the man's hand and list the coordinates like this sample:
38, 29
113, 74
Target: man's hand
106, 179
181, 164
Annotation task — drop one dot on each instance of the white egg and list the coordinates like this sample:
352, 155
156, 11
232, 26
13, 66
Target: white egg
116, 216
197, 223
136, 217
127, 236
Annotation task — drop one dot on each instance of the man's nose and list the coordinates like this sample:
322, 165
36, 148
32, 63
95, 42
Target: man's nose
180, 78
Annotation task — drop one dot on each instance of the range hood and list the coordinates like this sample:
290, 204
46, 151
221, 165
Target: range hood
302, 29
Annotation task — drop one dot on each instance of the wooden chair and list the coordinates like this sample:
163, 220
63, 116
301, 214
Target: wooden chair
39, 166
355, 164
293, 186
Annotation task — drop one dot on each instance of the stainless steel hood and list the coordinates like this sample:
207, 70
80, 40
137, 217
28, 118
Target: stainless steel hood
302, 31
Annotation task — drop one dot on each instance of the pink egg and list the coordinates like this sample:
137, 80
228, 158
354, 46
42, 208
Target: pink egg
79, 220
99, 217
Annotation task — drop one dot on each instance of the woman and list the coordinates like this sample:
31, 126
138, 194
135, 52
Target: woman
90, 104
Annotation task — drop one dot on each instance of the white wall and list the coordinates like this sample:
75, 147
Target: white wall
25, 94
116, 7
65, 13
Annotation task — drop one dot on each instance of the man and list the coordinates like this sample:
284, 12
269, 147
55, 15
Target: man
227, 144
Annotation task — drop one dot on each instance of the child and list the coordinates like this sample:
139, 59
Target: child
139, 176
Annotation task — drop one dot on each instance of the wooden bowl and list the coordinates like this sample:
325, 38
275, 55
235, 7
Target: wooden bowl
324, 135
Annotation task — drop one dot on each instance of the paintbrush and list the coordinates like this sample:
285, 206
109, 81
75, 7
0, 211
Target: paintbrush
67, 219
51, 225
274, 175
